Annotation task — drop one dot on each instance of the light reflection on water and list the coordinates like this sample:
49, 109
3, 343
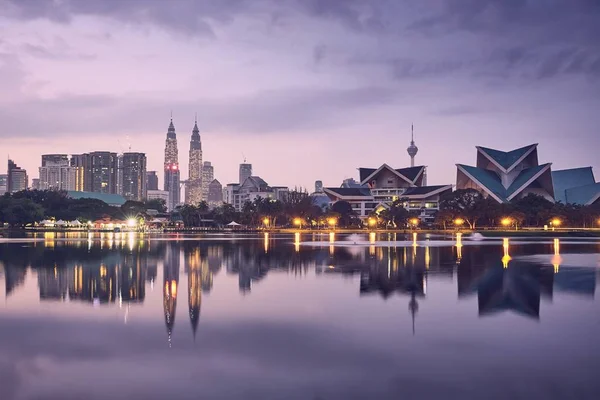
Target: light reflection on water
285, 320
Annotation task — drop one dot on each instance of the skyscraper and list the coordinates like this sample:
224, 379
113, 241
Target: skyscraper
134, 176
208, 174
3, 183
193, 191
56, 173
104, 172
17, 178
245, 172
151, 180
172, 177
83, 171
412, 149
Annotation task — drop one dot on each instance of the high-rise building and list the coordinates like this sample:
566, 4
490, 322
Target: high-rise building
119, 186
215, 193
151, 180
3, 183
35, 184
134, 176
104, 172
62, 159
193, 191
83, 172
412, 149
17, 178
208, 175
245, 172
172, 173
56, 173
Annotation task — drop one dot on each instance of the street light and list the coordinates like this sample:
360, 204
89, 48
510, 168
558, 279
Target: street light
332, 222
372, 222
506, 221
459, 221
266, 222
298, 222
556, 222
414, 221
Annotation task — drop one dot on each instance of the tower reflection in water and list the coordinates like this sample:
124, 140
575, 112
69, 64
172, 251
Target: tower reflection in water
125, 271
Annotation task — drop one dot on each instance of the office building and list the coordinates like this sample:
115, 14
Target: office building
61, 159
171, 168
215, 193
35, 184
3, 183
56, 173
193, 189
208, 175
134, 176
83, 181
151, 180
158, 194
17, 178
245, 172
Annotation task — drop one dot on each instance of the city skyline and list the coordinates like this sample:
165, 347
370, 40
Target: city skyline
501, 75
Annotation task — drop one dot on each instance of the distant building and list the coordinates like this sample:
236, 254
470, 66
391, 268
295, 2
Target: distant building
134, 176
215, 193
35, 184
194, 186
171, 168
245, 172
56, 173
17, 178
83, 172
3, 183
252, 188
379, 187
103, 172
318, 186
62, 159
576, 186
506, 176
151, 180
208, 175
158, 194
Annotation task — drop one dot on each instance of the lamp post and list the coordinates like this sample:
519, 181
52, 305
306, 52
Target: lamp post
459, 222
266, 222
372, 222
298, 222
332, 222
506, 222
414, 222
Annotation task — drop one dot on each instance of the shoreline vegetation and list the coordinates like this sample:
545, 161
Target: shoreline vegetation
465, 210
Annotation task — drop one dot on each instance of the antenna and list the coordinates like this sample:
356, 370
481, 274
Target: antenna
244, 157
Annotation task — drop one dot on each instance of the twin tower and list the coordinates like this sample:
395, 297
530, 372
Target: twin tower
195, 185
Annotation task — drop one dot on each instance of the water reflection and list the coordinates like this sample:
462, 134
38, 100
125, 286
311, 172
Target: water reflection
114, 268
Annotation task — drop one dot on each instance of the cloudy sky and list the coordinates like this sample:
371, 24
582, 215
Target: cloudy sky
304, 89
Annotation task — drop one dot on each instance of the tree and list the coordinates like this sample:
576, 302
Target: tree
466, 203
396, 215
20, 211
345, 212
133, 208
537, 209
156, 204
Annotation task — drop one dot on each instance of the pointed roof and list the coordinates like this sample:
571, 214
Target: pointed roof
171, 131
410, 174
195, 142
567, 179
507, 160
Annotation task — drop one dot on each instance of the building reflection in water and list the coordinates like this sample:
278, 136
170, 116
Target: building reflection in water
170, 286
194, 271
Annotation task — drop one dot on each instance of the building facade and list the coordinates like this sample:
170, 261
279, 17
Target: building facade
104, 172
245, 172
171, 168
252, 188
507, 175
3, 183
576, 186
193, 189
215, 193
208, 175
83, 172
56, 173
133, 173
17, 179
151, 180
158, 194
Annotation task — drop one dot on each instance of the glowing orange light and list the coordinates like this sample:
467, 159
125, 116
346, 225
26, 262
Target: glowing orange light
174, 288
414, 221
556, 222
332, 221
459, 221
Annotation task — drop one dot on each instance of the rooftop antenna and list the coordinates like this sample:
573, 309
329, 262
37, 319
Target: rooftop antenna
244, 157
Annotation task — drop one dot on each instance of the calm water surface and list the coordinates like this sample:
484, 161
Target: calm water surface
125, 316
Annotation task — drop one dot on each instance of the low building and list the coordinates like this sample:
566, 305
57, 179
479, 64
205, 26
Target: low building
215, 193
379, 187
507, 175
576, 186
158, 194
251, 189
114, 200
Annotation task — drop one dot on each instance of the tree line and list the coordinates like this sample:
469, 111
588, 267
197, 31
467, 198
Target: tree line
465, 207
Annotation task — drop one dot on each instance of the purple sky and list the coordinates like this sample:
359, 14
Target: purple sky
305, 89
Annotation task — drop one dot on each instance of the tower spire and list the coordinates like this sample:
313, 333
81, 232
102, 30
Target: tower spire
412, 149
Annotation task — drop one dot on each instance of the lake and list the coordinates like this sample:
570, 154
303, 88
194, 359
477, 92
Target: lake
310, 316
